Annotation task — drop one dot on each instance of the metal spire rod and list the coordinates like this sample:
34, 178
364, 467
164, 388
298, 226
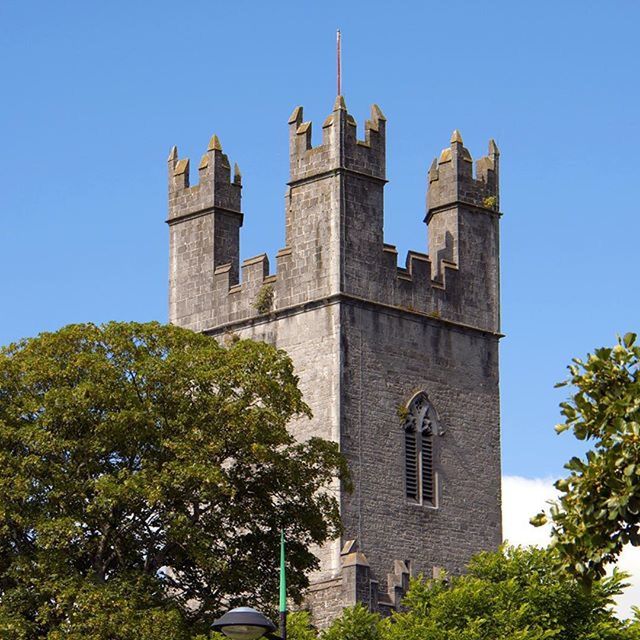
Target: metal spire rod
339, 60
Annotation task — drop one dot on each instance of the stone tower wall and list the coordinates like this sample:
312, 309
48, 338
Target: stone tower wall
365, 335
388, 356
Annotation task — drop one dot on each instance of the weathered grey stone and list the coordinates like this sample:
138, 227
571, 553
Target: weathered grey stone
365, 336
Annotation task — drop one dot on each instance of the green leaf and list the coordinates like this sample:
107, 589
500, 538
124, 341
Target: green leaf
130, 447
599, 505
539, 520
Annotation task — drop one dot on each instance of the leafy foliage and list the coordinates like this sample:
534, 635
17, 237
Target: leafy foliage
299, 626
264, 299
511, 594
144, 474
599, 508
355, 623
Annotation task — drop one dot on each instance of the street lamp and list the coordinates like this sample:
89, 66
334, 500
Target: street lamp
244, 623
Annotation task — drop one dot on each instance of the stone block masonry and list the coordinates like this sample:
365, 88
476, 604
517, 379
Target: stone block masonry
366, 336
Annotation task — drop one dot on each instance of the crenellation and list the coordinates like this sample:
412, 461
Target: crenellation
215, 186
451, 177
334, 207
255, 270
340, 149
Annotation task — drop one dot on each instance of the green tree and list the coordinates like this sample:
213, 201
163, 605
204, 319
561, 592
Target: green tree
299, 626
145, 472
512, 594
355, 623
598, 511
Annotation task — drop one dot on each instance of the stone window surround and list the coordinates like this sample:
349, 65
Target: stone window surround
422, 418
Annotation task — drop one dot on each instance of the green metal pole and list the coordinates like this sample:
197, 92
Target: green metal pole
283, 590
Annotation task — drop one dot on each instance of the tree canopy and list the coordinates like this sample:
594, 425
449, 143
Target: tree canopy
145, 472
599, 507
510, 594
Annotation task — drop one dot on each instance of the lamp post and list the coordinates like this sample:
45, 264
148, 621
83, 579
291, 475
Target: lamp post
244, 623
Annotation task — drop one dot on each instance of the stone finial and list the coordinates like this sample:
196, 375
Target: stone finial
340, 104
214, 143
296, 116
376, 112
493, 148
376, 122
350, 546
182, 167
456, 137
173, 155
237, 176
328, 121
433, 170
445, 156
356, 558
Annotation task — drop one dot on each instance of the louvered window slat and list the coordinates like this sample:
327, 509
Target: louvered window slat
426, 442
411, 464
420, 429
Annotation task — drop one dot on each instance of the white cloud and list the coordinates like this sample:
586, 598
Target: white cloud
522, 498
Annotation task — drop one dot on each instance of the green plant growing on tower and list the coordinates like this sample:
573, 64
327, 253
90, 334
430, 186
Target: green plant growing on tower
402, 412
264, 299
490, 202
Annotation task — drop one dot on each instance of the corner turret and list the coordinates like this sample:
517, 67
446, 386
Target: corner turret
204, 224
451, 177
462, 219
215, 187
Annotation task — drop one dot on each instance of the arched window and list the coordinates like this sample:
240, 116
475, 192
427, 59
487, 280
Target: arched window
421, 426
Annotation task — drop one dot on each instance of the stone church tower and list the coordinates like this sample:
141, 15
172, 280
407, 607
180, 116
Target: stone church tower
398, 364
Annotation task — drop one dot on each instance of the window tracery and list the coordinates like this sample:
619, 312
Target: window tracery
420, 426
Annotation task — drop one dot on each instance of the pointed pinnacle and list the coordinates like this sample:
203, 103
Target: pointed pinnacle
173, 154
434, 165
376, 112
339, 104
493, 148
182, 166
214, 143
296, 116
237, 176
456, 137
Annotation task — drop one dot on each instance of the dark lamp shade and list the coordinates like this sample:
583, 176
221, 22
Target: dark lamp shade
243, 623
243, 631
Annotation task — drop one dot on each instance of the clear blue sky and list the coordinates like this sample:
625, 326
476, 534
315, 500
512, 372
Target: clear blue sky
94, 95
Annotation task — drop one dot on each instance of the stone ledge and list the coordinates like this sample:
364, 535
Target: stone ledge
344, 298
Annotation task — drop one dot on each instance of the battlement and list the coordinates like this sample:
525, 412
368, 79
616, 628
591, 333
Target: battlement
334, 241
340, 148
215, 189
451, 177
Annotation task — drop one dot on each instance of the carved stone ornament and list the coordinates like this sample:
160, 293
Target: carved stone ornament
422, 417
